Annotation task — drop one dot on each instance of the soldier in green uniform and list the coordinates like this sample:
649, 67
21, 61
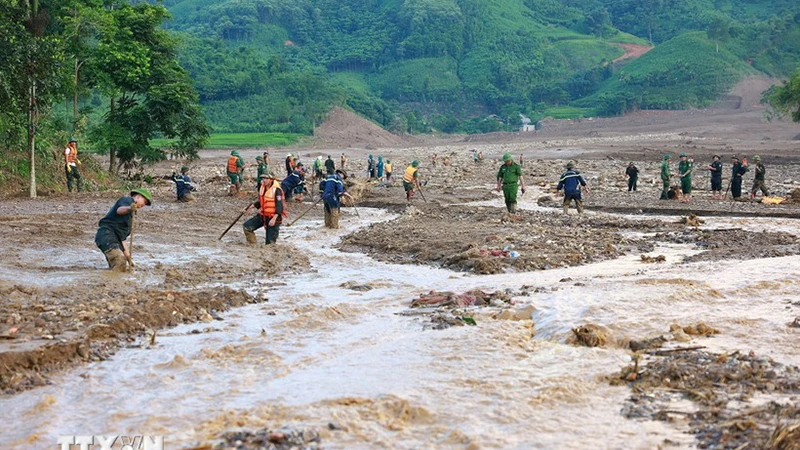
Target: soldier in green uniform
509, 178
685, 173
758, 181
263, 168
666, 175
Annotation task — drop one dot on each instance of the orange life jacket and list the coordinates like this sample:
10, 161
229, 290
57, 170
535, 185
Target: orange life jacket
72, 156
266, 197
233, 167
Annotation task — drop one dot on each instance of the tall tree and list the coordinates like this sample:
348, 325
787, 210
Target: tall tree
135, 65
786, 99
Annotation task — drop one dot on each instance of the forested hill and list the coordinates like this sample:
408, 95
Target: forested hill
413, 65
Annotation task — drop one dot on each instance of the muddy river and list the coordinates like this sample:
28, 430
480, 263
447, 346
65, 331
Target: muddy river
349, 363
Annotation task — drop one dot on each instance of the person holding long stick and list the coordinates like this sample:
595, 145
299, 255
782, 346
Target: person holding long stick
116, 226
411, 180
271, 210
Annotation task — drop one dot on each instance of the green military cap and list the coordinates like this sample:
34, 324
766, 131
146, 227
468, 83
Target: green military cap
144, 193
667, 156
507, 157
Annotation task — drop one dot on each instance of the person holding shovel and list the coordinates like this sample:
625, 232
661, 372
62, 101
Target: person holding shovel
411, 180
117, 225
271, 211
510, 178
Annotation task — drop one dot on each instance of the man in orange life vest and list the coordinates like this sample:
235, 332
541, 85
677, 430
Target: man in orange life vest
72, 163
234, 170
271, 210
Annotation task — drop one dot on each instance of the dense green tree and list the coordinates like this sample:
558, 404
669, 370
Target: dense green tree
785, 99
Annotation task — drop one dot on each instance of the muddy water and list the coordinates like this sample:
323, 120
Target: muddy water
318, 353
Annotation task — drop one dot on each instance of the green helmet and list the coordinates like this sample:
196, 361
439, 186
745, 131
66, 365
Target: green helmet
667, 156
570, 165
507, 157
234, 153
415, 163
682, 155
144, 193
756, 158
259, 158
72, 139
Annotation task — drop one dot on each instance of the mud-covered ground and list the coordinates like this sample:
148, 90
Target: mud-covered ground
334, 353
60, 306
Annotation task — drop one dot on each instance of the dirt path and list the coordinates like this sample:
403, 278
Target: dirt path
633, 51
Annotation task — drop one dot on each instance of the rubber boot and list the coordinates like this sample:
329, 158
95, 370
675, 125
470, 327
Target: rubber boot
566, 209
335, 218
250, 236
512, 208
328, 218
579, 203
116, 260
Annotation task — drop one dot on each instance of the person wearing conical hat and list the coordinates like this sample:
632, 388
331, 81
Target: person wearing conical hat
71, 164
113, 229
571, 182
509, 179
759, 180
666, 176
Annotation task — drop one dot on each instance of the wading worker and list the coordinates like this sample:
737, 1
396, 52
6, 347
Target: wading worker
509, 178
183, 185
271, 211
71, 166
332, 189
234, 170
115, 228
572, 181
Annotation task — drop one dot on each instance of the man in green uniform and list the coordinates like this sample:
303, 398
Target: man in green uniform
115, 227
234, 169
666, 175
509, 177
758, 181
738, 170
262, 169
410, 179
685, 173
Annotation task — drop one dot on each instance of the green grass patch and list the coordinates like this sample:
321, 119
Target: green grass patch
625, 38
238, 140
568, 112
584, 54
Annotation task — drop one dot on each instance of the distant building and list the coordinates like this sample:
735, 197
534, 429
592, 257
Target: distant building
525, 124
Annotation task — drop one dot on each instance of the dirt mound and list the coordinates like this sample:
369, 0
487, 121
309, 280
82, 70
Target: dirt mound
750, 90
345, 129
633, 51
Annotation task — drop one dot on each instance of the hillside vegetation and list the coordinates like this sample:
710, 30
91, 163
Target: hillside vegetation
413, 65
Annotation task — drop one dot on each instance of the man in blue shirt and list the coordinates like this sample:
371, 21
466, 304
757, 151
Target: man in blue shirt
333, 189
572, 181
183, 185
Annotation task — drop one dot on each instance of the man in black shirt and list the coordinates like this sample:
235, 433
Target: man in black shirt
115, 228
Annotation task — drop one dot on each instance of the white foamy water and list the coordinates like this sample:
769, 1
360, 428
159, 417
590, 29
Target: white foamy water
317, 353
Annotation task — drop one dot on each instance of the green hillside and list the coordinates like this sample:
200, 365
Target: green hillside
278, 65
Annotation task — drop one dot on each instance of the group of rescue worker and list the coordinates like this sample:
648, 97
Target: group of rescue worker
272, 193
739, 167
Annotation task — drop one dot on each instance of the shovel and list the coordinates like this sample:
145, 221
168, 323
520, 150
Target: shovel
130, 241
